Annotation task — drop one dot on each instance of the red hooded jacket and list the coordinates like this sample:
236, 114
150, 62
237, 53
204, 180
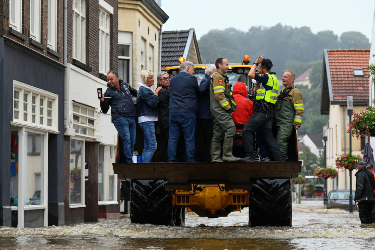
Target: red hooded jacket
244, 105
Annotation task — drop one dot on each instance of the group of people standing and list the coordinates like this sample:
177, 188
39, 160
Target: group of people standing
179, 106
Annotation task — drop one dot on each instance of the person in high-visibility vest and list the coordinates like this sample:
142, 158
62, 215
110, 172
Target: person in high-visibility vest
264, 106
222, 106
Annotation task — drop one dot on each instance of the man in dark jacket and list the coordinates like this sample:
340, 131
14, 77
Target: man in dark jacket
119, 96
364, 192
163, 108
182, 111
204, 128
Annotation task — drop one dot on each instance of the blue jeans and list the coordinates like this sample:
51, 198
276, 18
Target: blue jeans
149, 145
181, 122
126, 129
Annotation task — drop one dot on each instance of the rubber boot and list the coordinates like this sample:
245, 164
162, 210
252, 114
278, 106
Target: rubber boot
215, 152
227, 150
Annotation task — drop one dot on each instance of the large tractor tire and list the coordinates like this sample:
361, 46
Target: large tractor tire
151, 204
271, 203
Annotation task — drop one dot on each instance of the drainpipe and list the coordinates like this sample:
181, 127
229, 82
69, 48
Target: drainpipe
66, 89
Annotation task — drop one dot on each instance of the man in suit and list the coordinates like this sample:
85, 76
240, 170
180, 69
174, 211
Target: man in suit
182, 111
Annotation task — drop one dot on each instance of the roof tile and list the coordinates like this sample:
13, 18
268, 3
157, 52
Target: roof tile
341, 65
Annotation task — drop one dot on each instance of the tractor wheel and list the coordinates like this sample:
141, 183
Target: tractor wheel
150, 203
271, 203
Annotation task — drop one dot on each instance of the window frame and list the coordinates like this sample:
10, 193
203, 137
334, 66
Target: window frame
79, 123
143, 53
17, 7
82, 203
35, 19
52, 25
40, 111
79, 36
22, 178
151, 50
104, 34
126, 58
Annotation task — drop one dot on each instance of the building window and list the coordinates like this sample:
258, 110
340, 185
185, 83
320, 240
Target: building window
104, 44
52, 24
33, 188
34, 107
76, 170
143, 56
151, 58
107, 180
35, 14
79, 30
15, 14
83, 120
124, 61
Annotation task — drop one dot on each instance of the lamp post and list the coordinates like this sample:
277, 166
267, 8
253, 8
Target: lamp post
349, 102
325, 198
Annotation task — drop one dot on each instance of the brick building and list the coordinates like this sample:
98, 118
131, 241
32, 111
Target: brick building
32, 124
90, 137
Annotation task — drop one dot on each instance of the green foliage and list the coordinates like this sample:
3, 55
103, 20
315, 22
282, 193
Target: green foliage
280, 43
310, 160
309, 189
363, 123
348, 161
326, 173
299, 180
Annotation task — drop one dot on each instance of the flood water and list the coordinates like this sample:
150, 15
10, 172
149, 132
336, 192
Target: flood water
313, 228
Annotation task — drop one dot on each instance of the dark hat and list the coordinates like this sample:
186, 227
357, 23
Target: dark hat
369, 165
361, 163
267, 63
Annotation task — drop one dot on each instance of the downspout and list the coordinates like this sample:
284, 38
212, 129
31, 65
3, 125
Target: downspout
66, 74
344, 134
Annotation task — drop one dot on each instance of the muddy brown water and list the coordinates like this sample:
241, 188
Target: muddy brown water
313, 228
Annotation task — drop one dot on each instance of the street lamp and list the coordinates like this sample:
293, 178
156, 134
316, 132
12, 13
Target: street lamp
349, 103
325, 198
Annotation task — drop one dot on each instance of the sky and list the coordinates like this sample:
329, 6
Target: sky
204, 15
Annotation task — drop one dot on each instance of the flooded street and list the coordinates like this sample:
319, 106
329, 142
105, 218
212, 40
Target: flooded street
313, 228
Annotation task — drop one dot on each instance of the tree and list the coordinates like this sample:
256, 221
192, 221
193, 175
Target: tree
354, 40
310, 161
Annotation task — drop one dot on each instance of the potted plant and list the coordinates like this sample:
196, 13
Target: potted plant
348, 161
363, 123
309, 189
299, 180
325, 173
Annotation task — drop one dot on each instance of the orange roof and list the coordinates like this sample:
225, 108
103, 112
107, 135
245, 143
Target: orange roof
341, 63
305, 76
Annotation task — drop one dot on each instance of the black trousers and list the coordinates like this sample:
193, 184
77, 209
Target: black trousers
264, 122
203, 138
365, 211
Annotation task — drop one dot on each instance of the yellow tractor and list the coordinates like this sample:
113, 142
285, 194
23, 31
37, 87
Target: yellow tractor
161, 191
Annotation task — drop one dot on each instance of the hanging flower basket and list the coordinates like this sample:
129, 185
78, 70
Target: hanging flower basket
299, 180
347, 161
325, 173
363, 123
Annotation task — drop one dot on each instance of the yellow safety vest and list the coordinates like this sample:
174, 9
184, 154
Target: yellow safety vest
269, 95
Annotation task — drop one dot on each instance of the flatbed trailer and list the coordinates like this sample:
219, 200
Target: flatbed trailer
161, 191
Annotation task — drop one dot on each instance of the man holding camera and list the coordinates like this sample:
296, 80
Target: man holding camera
119, 96
267, 89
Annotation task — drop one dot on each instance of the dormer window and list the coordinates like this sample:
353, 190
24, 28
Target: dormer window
358, 72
